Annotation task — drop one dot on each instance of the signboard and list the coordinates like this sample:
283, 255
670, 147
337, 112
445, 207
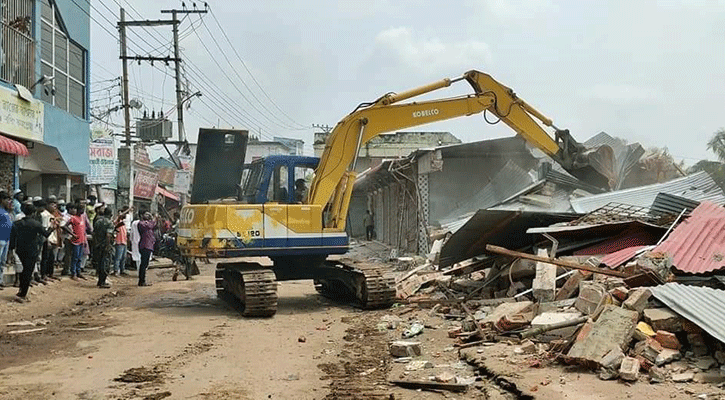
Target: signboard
101, 162
144, 184
186, 162
20, 118
182, 181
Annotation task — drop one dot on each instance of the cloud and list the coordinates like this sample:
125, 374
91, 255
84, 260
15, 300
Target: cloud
429, 55
515, 10
622, 94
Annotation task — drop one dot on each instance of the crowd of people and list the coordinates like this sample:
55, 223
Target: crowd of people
39, 236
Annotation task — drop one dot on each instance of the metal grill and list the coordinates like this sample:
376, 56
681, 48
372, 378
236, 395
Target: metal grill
17, 47
616, 212
423, 222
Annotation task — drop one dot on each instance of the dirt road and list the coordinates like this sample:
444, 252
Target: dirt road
177, 340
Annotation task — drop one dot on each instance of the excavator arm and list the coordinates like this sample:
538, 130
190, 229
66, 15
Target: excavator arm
335, 176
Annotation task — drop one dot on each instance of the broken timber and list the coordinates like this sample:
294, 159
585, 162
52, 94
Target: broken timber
561, 263
453, 387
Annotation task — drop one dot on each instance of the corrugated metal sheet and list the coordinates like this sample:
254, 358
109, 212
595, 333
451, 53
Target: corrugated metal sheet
614, 260
501, 228
666, 203
634, 236
697, 245
703, 306
510, 180
698, 186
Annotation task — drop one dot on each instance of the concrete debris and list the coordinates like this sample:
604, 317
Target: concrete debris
657, 375
415, 329
667, 356
705, 363
526, 347
613, 359
591, 295
403, 348
417, 365
663, 319
683, 377
544, 285
629, 370
637, 299
612, 330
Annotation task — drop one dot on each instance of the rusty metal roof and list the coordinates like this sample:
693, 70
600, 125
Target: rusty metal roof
703, 306
697, 245
698, 187
614, 260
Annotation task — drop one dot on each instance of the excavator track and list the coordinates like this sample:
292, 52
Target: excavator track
252, 284
372, 286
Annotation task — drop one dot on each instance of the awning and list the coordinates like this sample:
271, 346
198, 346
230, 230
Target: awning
166, 193
11, 146
45, 159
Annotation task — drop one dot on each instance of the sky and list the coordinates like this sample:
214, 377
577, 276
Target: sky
651, 72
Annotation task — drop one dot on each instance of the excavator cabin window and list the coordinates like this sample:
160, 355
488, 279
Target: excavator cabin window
277, 190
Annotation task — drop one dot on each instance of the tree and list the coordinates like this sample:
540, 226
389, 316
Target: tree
717, 144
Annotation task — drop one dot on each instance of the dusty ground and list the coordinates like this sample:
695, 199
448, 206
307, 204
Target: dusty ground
177, 340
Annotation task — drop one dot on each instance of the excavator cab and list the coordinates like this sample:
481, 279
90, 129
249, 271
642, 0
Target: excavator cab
278, 179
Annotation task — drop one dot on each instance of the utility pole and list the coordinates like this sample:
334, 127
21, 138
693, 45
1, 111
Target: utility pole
126, 107
179, 92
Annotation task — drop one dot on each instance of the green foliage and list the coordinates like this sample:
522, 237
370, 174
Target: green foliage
717, 144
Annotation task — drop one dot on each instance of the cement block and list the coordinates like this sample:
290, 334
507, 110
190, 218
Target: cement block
629, 370
544, 285
507, 309
403, 348
590, 296
548, 318
637, 299
667, 340
612, 330
613, 359
663, 319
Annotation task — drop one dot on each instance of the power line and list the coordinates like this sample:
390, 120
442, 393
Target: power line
282, 123
247, 69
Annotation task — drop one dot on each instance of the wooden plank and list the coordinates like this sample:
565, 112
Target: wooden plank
562, 263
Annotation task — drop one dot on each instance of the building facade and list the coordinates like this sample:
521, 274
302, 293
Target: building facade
279, 146
44, 91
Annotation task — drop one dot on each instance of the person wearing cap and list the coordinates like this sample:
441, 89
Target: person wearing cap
6, 225
18, 198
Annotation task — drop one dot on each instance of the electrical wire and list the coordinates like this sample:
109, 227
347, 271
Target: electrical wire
221, 29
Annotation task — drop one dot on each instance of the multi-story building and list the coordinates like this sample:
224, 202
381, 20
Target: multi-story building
278, 146
44, 90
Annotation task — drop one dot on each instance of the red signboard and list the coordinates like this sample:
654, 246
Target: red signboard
144, 185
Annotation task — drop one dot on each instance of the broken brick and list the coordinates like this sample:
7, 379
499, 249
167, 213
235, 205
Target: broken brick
637, 299
402, 348
667, 340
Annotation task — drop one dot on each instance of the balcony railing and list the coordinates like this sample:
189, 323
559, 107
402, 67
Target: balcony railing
17, 54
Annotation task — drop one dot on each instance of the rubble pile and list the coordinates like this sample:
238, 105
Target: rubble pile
627, 293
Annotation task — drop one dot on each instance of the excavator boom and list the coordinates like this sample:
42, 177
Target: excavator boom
334, 176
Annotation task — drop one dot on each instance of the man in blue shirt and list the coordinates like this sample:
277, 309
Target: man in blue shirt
6, 224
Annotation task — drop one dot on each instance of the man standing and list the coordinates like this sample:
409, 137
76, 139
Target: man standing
78, 225
121, 242
24, 238
103, 232
369, 225
6, 225
47, 259
18, 198
146, 245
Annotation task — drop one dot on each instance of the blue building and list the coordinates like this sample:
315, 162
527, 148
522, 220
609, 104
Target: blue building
44, 96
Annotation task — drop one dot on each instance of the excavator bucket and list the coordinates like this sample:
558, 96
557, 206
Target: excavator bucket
595, 167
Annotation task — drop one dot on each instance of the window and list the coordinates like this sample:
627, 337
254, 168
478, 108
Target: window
17, 56
277, 190
65, 60
303, 178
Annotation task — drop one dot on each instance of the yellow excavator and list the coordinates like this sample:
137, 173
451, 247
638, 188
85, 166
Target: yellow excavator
264, 216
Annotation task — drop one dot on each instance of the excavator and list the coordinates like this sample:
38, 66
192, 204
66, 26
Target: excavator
263, 218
